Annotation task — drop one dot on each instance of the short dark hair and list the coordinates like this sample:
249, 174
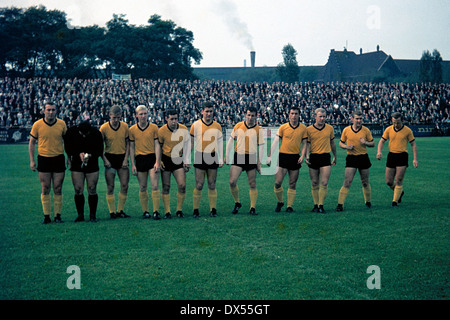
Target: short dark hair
357, 113
251, 109
397, 115
294, 108
207, 104
171, 112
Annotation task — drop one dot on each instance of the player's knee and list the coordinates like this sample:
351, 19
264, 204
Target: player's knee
182, 188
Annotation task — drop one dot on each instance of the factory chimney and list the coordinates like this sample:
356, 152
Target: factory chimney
252, 58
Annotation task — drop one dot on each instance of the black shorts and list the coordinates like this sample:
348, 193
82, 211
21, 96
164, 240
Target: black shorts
51, 164
171, 165
359, 162
246, 161
146, 162
91, 166
116, 160
397, 160
318, 160
289, 161
206, 161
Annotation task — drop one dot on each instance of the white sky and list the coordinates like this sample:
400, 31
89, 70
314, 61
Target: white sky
225, 31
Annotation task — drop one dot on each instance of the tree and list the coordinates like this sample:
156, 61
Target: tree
430, 68
289, 70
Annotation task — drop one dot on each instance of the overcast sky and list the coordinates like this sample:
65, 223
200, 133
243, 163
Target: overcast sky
225, 31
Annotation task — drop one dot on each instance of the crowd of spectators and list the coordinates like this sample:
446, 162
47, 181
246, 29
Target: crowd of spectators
21, 100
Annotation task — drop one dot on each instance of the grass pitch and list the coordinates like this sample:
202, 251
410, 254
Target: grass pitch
276, 256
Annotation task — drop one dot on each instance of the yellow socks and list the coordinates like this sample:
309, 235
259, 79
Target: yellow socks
367, 193
278, 193
196, 197
180, 200
57, 203
315, 194
143, 199
46, 204
122, 200
166, 202
253, 197
235, 193
156, 195
397, 193
342, 195
110, 200
291, 197
212, 195
323, 190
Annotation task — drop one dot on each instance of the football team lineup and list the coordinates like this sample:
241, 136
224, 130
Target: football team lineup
166, 152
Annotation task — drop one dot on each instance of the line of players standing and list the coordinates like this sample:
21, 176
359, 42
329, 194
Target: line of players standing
167, 151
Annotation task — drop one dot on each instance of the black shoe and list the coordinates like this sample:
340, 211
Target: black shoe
253, 212
167, 215
321, 209
122, 214
180, 214
213, 212
146, 215
237, 205
58, 218
400, 199
368, 205
196, 213
47, 220
289, 209
315, 209
79, 218
394, 204
339, 207
279, 206
156, 215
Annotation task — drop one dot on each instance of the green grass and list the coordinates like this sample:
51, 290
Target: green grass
285, 256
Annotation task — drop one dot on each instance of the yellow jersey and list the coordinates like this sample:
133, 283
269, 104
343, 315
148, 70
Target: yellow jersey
398, 139
49, 137
291, 137
247, 138
115, 139
320, 139
144, 139
172, 140
206, 136
349, 136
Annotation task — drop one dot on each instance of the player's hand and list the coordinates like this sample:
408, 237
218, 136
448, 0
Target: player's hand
157, 167
133, 170
415, 163
107, 163
333, 163
33, 165
186, 167
379, 155
300, 160
350, 147
258, 167
269, 161
307, 161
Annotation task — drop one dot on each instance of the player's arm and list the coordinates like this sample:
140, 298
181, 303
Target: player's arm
132, 157
272, 149
220, 150
259, 156
380, 148
343, 145
31, 151
304, 150
157, 155
333, 150
228, 149
187, 151
414, 150
127, 153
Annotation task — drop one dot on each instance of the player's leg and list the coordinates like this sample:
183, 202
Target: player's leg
278, 187
57, 181
110, 176
180, 178
45, 179
165, 179
197, 192
156, 193
78, 179
349, 174
211, 176
142, 177
124, 178
235, 172
293, 177
253, 191
91, 183
367, 190
398, 189
314, 176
